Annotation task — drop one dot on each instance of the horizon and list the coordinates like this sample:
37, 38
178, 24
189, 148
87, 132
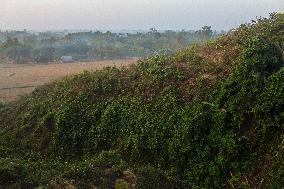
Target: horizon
57, 15
122, 31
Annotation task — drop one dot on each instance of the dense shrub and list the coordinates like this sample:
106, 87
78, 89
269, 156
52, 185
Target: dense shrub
176, 121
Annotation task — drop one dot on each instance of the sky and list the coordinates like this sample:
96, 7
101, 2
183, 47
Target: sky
43, 15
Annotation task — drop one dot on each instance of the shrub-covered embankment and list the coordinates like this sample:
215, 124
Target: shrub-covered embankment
210, 116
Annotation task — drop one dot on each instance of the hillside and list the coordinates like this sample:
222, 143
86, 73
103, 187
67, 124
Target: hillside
209, 116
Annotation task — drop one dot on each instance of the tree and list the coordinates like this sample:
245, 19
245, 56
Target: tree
205, 33
44, 55
16, 51
19, 53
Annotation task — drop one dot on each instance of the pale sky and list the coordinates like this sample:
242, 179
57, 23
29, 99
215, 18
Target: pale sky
132, 14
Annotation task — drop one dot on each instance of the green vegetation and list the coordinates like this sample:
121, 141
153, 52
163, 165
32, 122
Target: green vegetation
209, 116
23, 46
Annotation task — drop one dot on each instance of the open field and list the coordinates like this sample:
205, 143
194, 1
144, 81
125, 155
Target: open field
17, 79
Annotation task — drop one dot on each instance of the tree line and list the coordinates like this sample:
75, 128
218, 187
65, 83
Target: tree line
43, 47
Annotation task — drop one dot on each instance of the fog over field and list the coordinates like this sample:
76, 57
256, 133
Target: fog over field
131, 14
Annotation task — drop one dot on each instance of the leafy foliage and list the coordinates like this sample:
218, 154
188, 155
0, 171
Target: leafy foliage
202, 118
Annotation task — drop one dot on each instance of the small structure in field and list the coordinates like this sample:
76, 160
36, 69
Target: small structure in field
65, 59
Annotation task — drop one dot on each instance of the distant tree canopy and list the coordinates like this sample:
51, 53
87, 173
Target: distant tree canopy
44, 55
19, 52
23, 46
206, 32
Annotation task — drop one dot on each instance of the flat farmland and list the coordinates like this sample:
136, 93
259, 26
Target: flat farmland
21, 79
